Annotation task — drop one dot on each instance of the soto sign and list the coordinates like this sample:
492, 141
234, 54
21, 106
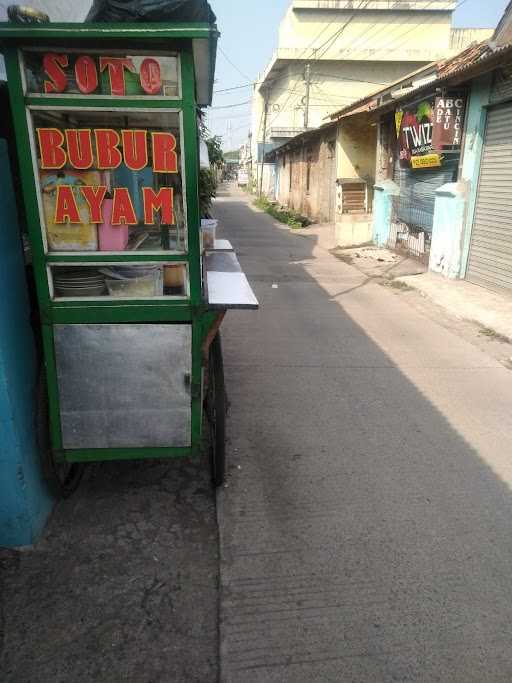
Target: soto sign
114, 75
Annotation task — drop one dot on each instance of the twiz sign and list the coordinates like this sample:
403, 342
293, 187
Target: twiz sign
85, 74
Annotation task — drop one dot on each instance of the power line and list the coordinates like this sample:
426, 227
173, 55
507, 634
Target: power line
416, 26
233, 64
231, 106
236, 87
385, 27
231, 116
316, 49
314, 73
330, 41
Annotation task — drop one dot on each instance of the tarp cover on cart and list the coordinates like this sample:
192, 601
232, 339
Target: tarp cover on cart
174, 11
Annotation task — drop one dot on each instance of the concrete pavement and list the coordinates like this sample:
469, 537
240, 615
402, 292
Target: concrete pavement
466, 301
123, 585
366, 525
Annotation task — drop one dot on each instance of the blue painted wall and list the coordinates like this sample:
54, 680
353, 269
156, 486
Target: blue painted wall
475, 131
382, 205
24, 500
448, 230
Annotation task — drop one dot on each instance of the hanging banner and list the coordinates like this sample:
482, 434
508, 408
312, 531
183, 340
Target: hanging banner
448, 122
399, 115
415, 134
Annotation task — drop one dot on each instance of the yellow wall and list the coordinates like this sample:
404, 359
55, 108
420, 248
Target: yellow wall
356, 150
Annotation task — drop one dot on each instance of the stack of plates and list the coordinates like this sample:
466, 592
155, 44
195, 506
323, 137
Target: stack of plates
129, 272
78, 282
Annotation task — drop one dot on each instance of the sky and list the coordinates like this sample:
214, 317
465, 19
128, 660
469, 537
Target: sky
248, 39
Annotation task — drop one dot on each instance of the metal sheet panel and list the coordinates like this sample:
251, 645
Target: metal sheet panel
502, 86
415, 205
490, 255
124, 386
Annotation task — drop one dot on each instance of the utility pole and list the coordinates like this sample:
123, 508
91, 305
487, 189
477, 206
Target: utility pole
265, 114
307, 78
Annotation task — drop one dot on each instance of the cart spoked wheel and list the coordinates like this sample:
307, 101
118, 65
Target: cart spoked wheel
63, 478
216, 412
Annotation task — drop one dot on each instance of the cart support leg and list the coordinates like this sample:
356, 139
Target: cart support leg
212, 333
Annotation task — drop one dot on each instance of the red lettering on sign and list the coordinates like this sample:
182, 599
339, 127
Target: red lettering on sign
52, 64
86, 75
165, 159
94, 197
116, 67
66, 209
51, 141
107, 148
150, 76
162, 201
79, 145
123, 212
135, 149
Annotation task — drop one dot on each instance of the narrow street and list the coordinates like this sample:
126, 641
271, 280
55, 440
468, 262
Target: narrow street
366, 524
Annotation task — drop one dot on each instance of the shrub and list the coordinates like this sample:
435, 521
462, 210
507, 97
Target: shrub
281, 214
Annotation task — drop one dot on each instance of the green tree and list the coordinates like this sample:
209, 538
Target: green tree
214, 144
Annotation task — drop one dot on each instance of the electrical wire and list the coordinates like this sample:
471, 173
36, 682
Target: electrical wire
330, 41
236, 116
315, 73
230, 106
409, 30
316, 49
233, 64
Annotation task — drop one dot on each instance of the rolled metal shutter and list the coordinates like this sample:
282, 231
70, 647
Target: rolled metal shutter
490, 255
415, 205
502, 85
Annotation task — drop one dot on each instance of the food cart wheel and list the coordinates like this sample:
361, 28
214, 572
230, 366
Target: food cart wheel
216, 411
63, 478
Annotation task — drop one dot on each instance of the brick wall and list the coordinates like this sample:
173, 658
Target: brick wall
312, 189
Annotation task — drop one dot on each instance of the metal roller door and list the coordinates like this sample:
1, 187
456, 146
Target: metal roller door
490, 255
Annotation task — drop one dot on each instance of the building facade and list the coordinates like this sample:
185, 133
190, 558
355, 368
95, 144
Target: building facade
333, 53
469, 231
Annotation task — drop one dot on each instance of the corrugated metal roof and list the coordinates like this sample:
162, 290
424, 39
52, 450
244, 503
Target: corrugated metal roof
299, 139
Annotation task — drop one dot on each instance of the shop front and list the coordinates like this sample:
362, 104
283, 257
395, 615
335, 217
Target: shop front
427, 157
489, 261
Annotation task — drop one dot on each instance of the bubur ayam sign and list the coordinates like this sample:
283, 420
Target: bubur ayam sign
427, 129
105, 149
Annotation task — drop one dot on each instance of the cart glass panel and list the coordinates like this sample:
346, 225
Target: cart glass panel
119, 280
110, 180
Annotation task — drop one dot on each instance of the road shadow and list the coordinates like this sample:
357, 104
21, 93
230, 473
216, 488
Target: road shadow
363, 538
123, 586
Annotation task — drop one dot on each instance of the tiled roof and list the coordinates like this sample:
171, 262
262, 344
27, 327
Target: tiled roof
444, 69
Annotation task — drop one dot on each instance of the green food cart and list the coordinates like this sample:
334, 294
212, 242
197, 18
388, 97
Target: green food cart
130, 297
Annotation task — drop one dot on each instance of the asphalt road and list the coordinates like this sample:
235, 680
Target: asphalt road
366, 529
